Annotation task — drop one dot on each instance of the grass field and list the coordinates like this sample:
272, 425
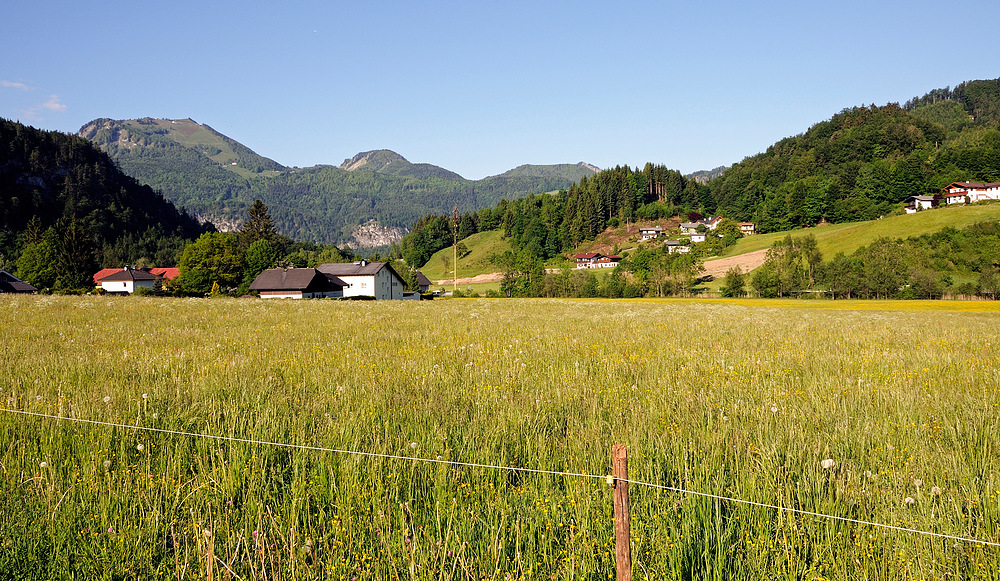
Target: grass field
740, 398
848, 237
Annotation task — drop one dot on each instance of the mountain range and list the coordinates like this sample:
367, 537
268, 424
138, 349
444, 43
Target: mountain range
370, 200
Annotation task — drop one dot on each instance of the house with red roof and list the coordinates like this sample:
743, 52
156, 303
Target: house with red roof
596, 260
127, 280
970, 192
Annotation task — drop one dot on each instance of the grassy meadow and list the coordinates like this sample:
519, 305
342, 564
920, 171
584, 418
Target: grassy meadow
740, 398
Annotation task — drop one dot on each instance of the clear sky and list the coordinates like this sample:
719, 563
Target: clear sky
479, 87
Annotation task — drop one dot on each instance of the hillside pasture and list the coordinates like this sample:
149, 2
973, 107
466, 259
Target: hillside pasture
885, 412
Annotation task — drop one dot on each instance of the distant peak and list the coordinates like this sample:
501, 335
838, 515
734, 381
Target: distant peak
586, 165
372, 160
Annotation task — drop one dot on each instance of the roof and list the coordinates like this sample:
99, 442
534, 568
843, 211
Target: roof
690, 224
103, 273
167, 273
612, 257
11, 284
656, 228
362, 268
586, 256
746, 223
422, 280
972, 185
299, 279
127, 274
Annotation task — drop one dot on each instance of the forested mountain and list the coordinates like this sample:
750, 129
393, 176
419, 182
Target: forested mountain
864, 161
65, 209
859, 165
216, 178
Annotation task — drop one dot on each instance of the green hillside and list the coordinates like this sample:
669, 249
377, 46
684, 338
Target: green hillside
217, 178
847, 238
481, 247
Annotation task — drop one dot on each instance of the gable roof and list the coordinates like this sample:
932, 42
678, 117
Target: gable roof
362, 268
423, 280
587, 256
299, 279
103, 273
11, 284
127, 274
167, 273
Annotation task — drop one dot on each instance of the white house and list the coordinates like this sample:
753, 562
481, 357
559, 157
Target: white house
712, 222
650, 233
748, 228
697, 237
366, 279
970, 192
596, 260
677, 247
127, 280
689, 227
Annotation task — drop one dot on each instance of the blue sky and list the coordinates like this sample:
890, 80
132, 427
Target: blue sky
482, 87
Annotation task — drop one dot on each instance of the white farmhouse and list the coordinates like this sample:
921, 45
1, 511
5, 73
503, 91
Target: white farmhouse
127, 280
366, 279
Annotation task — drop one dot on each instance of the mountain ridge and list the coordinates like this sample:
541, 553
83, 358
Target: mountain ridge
216, 178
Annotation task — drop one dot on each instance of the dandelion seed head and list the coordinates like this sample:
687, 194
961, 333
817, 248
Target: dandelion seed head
774, 409
107, 463
936, 491
909, 500
43, 465
107, 399
918, 482
140, 447
413, 445
828, 463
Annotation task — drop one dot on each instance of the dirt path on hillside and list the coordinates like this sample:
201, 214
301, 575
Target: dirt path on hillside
489, 277
747, 262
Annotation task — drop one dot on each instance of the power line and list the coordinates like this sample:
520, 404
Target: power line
509, 468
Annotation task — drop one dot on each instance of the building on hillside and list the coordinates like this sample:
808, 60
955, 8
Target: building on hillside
11, 284
748, 228
918, 203
297, 283
677, 247
697, 237
127, 280
689, 227
596, 260
970, 192
650, 233
366, 279
712, 222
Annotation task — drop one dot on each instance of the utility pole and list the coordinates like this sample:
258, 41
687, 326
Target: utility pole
454, 230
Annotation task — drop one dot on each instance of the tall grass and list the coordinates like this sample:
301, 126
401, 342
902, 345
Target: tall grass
737, 398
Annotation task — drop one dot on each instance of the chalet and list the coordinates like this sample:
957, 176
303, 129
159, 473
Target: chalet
697, 237
712, 223
918, 203
748, 228
970, 192
650, 233
596, 260
297, 283
363, 278
127, 280
677, 247
689, 227
11, 284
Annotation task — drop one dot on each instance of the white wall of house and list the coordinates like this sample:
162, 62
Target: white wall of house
127, 286
381, 285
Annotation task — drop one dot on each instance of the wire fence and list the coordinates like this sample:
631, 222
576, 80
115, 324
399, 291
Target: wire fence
608, 478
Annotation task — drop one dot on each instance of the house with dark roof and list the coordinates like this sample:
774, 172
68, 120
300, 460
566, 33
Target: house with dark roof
366, 279
650, 233
423, 283
127, 280
297, 283
11, 284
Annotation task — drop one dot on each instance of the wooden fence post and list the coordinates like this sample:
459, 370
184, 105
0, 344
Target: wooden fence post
623, 549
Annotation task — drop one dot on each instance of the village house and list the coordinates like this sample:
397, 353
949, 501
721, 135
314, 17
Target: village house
650, 233
677, 247
363, 278
126, 280
596, 260
748, 228
697, 237
423, 283
712, 223
689, 227
970, 192
11, 284
297, 283
918, 203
